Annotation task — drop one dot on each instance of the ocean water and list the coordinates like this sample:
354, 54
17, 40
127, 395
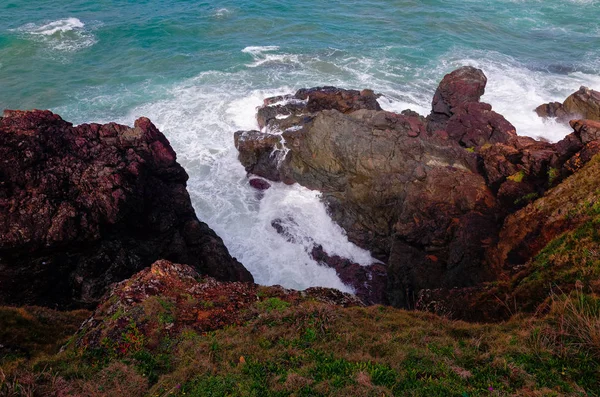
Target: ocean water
199, 69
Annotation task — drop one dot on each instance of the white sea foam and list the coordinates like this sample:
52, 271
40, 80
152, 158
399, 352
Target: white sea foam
62, 25
199, 119
263, 55
221, 12
66, 35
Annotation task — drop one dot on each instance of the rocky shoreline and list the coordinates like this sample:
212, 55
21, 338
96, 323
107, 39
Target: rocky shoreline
467, 219
435, 198
450, 204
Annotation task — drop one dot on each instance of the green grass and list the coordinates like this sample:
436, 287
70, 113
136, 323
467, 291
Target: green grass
313, 349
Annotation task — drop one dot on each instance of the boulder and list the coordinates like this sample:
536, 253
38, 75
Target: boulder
462, 86
84, 207
260, 153
259, 184
582, 104
586, 130
585, 104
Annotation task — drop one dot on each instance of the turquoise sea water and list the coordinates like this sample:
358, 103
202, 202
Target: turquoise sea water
199, 69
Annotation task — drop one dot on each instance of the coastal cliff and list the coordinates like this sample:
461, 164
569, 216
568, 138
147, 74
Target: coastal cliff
468, 220
444, 201
83, 207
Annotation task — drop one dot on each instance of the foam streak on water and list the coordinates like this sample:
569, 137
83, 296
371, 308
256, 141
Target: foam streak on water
66, 35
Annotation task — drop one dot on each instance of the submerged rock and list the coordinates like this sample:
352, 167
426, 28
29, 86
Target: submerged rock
83, 207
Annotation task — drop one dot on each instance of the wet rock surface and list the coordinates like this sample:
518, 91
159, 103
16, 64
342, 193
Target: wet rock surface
83, 207
426, 196
582, 104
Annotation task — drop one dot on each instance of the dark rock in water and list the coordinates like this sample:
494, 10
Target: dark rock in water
369, 282
462, 86
260, 153
83, 207
287, 111
284, 228
271, 115
582, 104
259, 184
474, 124
551, 109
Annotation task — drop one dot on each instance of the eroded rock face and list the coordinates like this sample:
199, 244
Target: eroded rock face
83, 207
475, 124
462, 86
427, 197
563, 208
388, 182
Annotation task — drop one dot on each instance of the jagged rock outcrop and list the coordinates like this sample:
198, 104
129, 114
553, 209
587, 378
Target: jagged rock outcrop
462, 86
426, 196
475, 124
549, 247
167, 298
83, 207
582, 104
411, 197
563, 208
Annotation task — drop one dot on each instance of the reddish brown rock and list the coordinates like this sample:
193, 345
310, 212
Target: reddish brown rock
167, 298
586, 130
291, 111
527, 231
462, 86
83, 207
345, 101
369, 282
581, 158
584, 104
519, 170
475, 124
551, 110
259, 184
